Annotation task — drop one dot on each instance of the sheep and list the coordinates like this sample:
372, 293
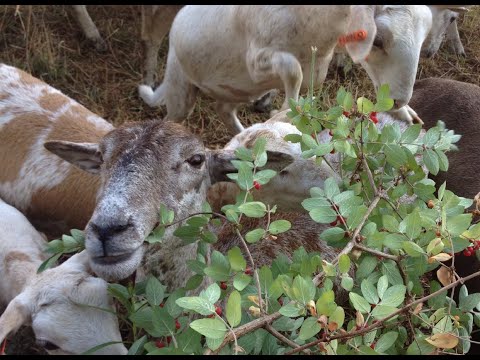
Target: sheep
156, 22
444, 24
162, 160
51, 301
245, 60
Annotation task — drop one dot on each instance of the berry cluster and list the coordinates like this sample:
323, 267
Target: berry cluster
469, 251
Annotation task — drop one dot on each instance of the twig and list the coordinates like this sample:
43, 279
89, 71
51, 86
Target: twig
351, 244
369, 174
376, 252
255, 272
380, 322
284, 339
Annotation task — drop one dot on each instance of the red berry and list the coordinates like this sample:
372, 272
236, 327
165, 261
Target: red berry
177, 324
169, 339
373, 117
333, 223
218, 310
280, 301
211, 316
248, 271
256, 185
223, 285
159, 344
346, 113
467, 252
330, 132
162, 304
372, 345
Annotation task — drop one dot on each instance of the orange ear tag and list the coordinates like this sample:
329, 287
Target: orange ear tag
356, 36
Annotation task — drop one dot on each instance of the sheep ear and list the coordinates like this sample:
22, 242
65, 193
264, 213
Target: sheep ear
86, 156
15, 315
363, 18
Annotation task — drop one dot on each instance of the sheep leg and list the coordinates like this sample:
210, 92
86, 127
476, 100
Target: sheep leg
151, 48
289, 69
227, 112
156, 23
453, 39
89, 28
266, 64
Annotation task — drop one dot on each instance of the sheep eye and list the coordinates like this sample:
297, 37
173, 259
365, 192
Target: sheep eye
47, 345
452, 19
378, 42
196, 160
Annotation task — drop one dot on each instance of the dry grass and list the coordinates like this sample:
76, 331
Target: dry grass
46, 41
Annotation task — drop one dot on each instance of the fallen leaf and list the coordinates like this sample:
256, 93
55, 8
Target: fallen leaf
418, 308
445, 276
442, 257
443, 340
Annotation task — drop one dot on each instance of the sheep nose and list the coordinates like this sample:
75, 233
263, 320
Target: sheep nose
106, 230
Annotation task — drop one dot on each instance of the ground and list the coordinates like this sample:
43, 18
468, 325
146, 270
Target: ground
46, 41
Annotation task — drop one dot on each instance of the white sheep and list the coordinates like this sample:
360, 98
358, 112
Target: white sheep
63, 305
238, 53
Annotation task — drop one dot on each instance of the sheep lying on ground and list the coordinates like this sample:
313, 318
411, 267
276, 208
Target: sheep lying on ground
55, 303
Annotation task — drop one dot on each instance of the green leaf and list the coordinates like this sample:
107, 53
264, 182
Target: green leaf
369, 291
458, 224
395, 155
303, 289
344, 263
211, 294
197, 304
310, 328
323, 215
241, 280
245, 177
411, 225
411, 133
193, 282
172, 308
217, 273
244, 154
234, 311
210, 328
253, 209
309, 141
412, 249
394, 296
189, 341
237, 262
331, 188
420, 347
292, 309
338, 316
364, 105
430, 159
137, 346
155, 291
359, 303
442, 160
48, 263
348, 101
382, 285
264, 176
470, 302
332, 234
386, 341
254, 235
382, 311
347, 283
279, 226
389, 268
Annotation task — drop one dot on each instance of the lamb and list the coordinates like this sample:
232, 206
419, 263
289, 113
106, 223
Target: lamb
141, 165
245, 60
50, 302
